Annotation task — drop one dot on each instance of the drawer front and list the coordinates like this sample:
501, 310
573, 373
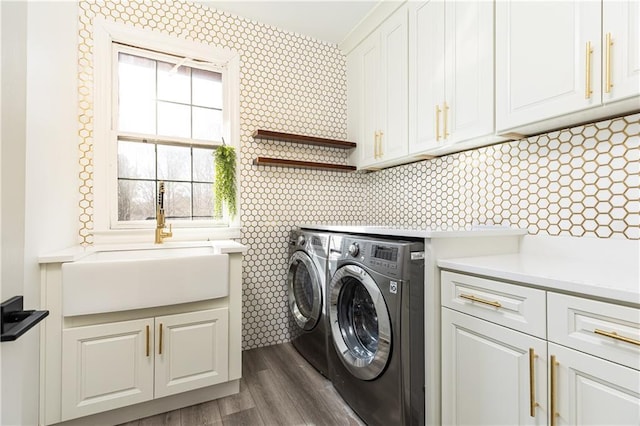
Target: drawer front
602, 329
517, 307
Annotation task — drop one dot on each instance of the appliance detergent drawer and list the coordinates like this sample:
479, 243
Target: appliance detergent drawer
602, 329
517, 307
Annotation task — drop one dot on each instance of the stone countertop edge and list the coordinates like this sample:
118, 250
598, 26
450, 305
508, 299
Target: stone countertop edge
479, 231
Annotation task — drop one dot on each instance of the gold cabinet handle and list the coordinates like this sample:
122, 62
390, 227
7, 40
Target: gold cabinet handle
552, 390
479, 300
148, 344
445, 119
587, 90
375, 144
616, 336
532, 383
160, 341
607, 46
438, 111
380, 150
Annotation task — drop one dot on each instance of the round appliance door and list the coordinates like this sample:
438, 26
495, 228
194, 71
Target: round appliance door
360, 322
305, 291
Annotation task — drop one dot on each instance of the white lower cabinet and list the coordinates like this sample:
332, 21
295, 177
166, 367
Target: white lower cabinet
584, 369
112, 365
491, 375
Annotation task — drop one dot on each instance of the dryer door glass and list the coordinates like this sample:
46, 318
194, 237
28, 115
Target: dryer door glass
305, 293
360, 322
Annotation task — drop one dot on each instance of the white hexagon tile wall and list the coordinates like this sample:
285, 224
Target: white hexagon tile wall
582, 181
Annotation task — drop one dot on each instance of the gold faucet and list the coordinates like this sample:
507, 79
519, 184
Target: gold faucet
161, 234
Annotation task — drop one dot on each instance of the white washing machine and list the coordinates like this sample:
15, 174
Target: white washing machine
376, 322
306, 282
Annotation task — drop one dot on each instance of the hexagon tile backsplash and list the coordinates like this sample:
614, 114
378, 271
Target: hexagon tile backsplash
582, 181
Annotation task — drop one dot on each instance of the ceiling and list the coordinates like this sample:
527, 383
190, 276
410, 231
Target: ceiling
328, 20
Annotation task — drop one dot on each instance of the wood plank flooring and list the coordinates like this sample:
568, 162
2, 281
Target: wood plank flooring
278, 387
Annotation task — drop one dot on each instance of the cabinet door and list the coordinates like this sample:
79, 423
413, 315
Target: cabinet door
621, 49
191, 351
364, 63
394, 87
488, 374
469, 70
426, 74
592, 391
542, 65
106, 366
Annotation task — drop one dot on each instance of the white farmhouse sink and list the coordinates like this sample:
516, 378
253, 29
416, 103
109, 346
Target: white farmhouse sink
143, 277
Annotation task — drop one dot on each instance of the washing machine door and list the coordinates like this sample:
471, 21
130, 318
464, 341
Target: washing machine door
305, 291
360, 322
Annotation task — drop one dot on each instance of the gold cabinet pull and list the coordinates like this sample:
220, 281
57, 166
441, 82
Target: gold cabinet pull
616, 336
376, 142
532, 383
587, 90
607, 46
552, 390
438, 111
479, 300
160, 341
148, 344
445, 111
380, 150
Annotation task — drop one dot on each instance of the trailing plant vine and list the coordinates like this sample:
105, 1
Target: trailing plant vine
224, 185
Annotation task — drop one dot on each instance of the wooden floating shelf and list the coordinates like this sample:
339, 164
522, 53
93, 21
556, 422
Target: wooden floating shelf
279, 162
308, 140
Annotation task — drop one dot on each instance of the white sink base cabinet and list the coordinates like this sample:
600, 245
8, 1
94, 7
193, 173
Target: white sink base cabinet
95, 368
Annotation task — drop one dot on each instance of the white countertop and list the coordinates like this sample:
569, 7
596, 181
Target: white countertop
484, 231
585, 266
73, 254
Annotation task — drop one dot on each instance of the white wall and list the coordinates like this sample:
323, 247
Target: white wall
38, 173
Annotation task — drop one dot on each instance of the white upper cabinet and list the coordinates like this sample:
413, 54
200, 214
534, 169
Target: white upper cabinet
558, 63
621, 50
377, 94
450, 73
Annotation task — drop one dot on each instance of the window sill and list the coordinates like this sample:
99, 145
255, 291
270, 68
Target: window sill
124, 236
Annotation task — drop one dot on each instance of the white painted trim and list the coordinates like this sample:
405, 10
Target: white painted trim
105, 33
368, 24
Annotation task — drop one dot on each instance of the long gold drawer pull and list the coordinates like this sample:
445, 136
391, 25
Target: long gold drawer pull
608, 44
616, 336
532, 383
148, 341
552, 387
160, 341
445, 111
587, 90
438, 110
479, 300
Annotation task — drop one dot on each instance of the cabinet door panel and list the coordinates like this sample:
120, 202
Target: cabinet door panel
541, 59
469, 69
592, 391
368, 59
105, 367
394, 86
426, 73
194, 351
486, 373
621, 21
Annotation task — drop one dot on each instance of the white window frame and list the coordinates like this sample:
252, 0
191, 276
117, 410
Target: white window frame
107, 229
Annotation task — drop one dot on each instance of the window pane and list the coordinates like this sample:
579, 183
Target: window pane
174, 85
174, 120
207, 124
207, 88
174, 162
136, 160
202, 201
203, 166
177, 201
136, 94
136, 200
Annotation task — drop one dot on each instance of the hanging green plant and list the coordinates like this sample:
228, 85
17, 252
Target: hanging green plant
224, 185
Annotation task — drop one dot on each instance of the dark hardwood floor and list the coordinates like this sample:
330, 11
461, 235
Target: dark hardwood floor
278, 387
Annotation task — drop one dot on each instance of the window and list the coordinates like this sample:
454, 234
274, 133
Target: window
168, 118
